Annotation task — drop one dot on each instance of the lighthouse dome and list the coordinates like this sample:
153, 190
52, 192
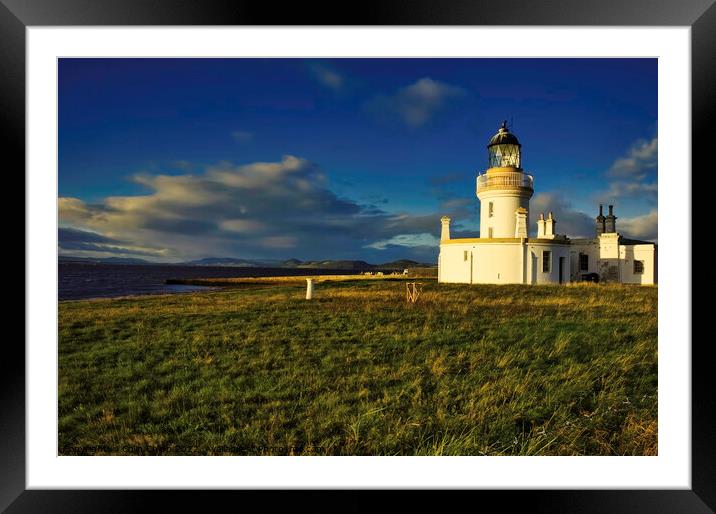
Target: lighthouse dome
503, 137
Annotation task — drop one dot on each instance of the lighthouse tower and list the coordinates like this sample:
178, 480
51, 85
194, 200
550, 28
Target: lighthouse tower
504, 189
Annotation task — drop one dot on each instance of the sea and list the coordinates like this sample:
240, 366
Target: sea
78, 281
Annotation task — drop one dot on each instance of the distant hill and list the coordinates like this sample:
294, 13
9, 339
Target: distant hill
404, 263
295, 263
230, 261
353, 265
356, 265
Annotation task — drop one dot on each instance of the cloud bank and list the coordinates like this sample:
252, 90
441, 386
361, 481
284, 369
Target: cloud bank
633, 179
640, 227
640, 159
571, 222
633, 176
81, 242
260, 210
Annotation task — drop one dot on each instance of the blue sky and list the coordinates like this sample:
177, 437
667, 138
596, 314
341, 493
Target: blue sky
176, 159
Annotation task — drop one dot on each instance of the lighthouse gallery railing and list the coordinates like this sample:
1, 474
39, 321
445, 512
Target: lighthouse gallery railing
485, 182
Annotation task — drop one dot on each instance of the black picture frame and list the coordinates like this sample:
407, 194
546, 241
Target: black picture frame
700, 15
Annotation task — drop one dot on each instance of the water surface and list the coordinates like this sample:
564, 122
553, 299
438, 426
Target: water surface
89, 280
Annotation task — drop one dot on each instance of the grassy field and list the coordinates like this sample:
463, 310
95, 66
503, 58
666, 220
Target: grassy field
467, 370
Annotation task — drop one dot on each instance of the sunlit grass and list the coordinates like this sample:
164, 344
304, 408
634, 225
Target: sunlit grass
467, 370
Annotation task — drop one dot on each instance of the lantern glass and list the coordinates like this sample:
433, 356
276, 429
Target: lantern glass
504, 155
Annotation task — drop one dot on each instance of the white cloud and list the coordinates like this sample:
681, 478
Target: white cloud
641, 158
73, 210
408, 240
259, 174
417, 103
647, 191
633, 176
642, 227
262, 209
88, 243
328, 77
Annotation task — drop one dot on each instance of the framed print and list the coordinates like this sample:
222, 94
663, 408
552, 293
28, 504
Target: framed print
430, 326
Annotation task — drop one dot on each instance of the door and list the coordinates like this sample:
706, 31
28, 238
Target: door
561, 269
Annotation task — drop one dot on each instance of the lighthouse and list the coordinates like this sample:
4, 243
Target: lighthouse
504, 188
506, 254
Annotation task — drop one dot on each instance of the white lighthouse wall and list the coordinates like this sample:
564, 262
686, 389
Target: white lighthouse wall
502, 221
645, 253
535, 273
454, 263
499, 263
478, 263
590, 248
614, 262
502, 263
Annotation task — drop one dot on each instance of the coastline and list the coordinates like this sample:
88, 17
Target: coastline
78, 281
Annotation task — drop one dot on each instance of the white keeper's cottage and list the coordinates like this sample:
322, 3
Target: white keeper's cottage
505, 254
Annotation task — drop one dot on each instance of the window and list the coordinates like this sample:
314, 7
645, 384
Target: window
546, 261
489, 232
490, 210
583, 262
638, 266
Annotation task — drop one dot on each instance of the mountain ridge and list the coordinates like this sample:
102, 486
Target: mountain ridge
347, 264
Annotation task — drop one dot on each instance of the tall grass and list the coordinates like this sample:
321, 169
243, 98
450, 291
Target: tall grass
467, 370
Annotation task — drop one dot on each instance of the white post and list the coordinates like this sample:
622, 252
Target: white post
309, 288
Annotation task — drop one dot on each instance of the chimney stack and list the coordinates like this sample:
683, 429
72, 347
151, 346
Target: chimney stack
540, 225
445, 233
600, 221
549, 226
610, 224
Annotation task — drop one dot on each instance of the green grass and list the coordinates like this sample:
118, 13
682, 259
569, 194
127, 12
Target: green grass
467, 370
